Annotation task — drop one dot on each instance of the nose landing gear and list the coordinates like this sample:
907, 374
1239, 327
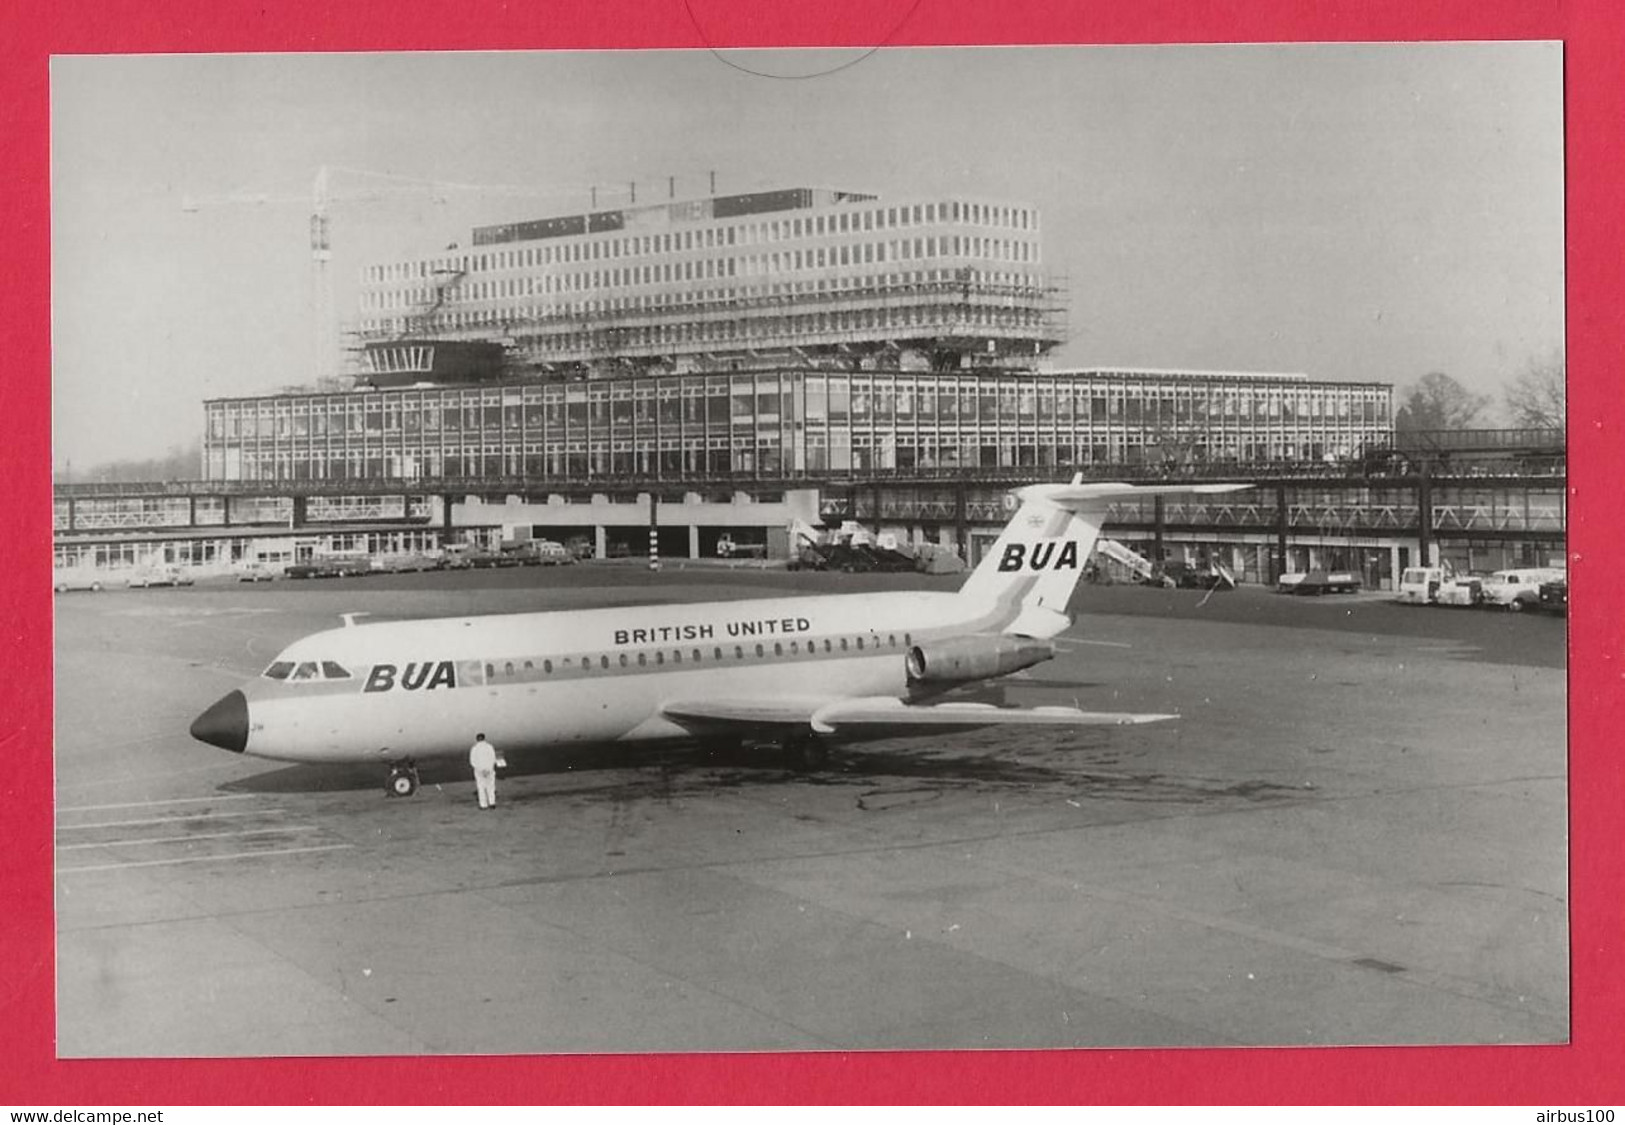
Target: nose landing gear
403, 780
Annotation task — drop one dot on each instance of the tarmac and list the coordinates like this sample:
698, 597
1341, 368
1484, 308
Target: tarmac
1356, 834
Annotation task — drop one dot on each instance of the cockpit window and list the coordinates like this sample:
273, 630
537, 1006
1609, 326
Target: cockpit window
305, 671
278, 670
332, 671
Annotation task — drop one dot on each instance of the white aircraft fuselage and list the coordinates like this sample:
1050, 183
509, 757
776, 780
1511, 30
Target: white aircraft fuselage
416, 690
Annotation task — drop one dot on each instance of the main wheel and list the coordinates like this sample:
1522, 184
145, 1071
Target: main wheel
403, 781
810, 753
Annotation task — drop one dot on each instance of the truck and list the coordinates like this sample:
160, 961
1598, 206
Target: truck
1518, 590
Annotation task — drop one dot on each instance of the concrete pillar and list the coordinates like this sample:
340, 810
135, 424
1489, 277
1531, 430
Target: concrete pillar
1156, 529
73, 514
445, 520
600, 542
961, 527
693, 540
1279, 562
191, 512
225, 510
654, 531
299, 518
1428, 550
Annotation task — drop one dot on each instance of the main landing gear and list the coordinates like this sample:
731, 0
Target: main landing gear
808, 751
403, 780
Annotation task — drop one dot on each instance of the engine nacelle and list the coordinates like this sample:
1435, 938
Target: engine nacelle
961, 659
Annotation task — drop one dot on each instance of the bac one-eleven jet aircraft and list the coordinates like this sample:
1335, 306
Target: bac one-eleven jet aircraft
798, 670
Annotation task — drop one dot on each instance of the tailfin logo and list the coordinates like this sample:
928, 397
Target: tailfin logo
1042, 556
428, 675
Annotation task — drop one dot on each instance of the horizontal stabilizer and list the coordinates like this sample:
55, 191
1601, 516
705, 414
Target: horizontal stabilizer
1073, 495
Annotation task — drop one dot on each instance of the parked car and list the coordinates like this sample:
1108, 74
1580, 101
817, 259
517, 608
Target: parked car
338, 567
1319, 582
545, 552
159, 576
256, 572
1518, 590
1554, 596
66, 579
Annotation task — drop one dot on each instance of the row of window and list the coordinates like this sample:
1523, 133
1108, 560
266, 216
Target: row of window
724, 416
816, 399
527, 670
846, 220
748, 459
928, 248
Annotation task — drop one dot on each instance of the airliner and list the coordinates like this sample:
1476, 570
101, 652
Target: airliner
800, 671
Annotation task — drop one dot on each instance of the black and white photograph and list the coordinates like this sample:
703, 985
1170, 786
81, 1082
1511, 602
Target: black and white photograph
885, 549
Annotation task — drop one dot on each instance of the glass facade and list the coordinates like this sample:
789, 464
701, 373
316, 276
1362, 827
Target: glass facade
793, 423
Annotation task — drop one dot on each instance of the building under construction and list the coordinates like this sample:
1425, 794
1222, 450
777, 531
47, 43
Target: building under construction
799, 277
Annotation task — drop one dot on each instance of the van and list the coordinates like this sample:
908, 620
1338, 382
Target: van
1419, 585
1519, 590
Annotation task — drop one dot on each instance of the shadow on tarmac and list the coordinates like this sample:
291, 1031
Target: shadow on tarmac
1083, 767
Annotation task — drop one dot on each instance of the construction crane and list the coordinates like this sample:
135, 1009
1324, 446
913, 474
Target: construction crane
322, 199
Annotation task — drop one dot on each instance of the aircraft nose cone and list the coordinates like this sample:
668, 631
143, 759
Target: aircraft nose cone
225, 723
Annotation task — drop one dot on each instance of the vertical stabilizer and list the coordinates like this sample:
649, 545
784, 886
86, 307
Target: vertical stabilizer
1035, 564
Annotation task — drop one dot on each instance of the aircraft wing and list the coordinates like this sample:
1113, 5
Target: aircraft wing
875, 715
872, 715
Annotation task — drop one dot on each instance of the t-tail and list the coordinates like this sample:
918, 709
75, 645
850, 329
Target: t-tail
1036, 562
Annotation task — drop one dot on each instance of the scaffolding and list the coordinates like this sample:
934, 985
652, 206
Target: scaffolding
966, 321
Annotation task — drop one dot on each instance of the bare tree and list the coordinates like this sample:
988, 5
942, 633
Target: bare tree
180, 463
1537, 395
1438, 402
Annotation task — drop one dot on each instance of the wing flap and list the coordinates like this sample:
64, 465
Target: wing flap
742, 715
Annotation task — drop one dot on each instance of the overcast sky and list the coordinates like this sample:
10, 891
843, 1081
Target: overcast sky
1349, 212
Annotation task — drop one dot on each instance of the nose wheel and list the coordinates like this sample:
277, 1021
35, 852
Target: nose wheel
403, 780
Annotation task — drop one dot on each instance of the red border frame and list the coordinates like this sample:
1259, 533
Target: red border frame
1589, 1072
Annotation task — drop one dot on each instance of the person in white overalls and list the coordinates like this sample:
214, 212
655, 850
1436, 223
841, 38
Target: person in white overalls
483, 757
